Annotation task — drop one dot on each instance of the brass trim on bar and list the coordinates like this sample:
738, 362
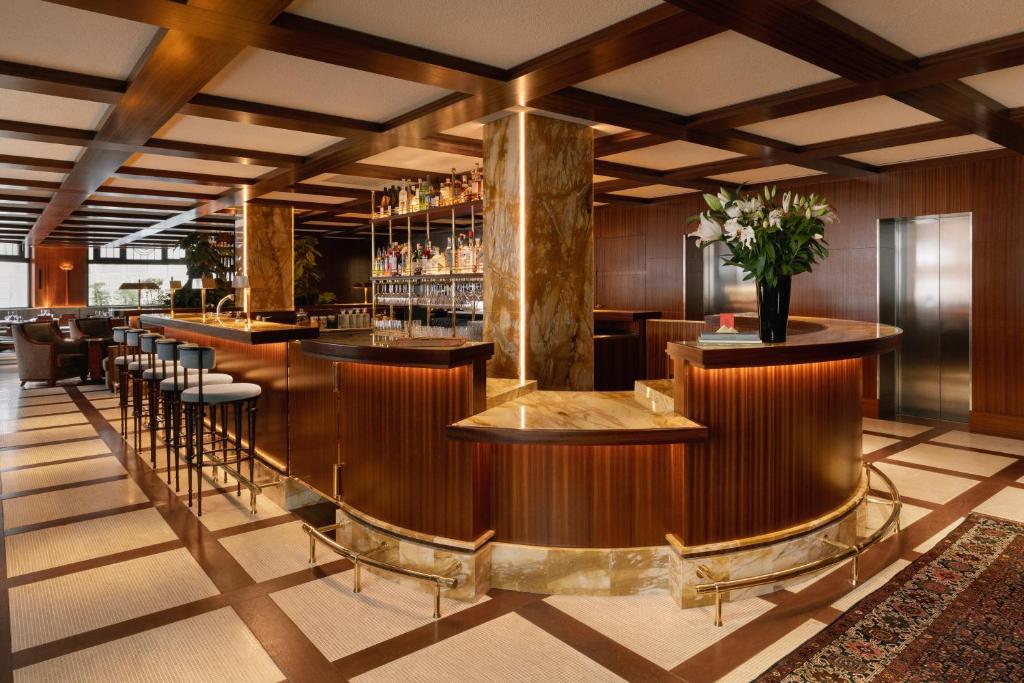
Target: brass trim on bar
846, 552
358, 559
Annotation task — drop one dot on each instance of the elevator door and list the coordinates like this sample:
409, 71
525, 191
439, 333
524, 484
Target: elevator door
933, 306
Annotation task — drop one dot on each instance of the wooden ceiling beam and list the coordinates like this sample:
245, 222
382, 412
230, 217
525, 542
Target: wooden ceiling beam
36, 164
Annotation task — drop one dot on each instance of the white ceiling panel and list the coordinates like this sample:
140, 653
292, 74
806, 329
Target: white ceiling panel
302, 197
766, 174
424, 160
170, 163
495, 32
282, 80
44, 34
1006, 86
244, 135
472, 129
161, 185
39, 150
670, 155
845, 120
653, 191
924, 27
341, 180
715, 72
50, 111
602, 178
964, 144
26, 174
165, 203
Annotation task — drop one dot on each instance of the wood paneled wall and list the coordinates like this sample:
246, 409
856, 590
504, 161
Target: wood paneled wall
639, 257
49, 283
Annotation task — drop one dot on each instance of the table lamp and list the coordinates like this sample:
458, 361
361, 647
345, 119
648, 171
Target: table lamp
174, 286
203, 284
242, 282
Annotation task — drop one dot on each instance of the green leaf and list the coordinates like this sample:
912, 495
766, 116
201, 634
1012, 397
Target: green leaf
712, 201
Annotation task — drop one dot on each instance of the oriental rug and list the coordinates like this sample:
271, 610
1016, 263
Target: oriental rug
955, 613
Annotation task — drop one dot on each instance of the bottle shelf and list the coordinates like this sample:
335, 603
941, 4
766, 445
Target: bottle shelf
438, 212
431, 277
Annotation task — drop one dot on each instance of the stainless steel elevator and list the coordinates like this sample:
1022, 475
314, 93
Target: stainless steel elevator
924, 287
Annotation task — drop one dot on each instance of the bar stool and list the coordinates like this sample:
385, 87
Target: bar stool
119, 355
124, 384
173, 380
145, 349
240, 395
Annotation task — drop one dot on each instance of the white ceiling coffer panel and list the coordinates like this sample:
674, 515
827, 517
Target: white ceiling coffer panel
422, 159
925, 27
286, 81
715, 72
671, 155
925, 150
495, 32
39, 150
1006, 86
653, 192
243, 135
766, 174
49, 110
842, 121
168, 163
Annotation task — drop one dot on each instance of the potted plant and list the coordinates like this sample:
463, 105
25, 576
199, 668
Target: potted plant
771, 241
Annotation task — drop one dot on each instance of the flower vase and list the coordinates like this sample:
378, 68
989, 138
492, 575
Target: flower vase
773, 309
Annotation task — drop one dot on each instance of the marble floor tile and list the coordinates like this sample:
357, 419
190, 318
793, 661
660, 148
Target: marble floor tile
215, 647
876, 513
65, 473
874, 443
969, 462
40, 421
923, 485
983, 441
870, 586
650, 625
893, 428
40, 436
750, 669
224, 510
508, 648
1008, 504
274, 551
340, 622
60, 545
931, 542
79, 500
36, 455
63, 606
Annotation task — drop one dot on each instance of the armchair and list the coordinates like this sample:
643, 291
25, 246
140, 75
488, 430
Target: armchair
45, 356
99, 328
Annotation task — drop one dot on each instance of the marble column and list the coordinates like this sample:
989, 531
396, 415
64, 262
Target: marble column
539, 178
264, 250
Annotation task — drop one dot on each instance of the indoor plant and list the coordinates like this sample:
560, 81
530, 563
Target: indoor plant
770, 240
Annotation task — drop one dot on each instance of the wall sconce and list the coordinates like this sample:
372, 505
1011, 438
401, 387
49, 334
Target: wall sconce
67, 267
203, 284
174, 287
242, 282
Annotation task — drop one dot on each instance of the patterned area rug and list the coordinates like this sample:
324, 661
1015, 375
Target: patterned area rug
954, 614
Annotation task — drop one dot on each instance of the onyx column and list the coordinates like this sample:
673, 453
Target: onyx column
264, 250
539, 246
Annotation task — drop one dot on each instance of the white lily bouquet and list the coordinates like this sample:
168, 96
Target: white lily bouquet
770, 241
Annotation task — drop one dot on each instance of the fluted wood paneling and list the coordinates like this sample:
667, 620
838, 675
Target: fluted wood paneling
580, 496
312, 419
784, 447
659, 334
49, 282
845, 285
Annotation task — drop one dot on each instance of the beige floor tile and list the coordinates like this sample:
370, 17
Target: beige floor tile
93, 388
875, 514
969, 462
893, 428
273, 551
57, 546
40, 436
45, 611
10, 412
55, 475
806, 583
756, 665
35, 455
41, 421
55, 399
924, 485
508, 648
1008, 504
874, 443
871, 585
213, 648
32, 391
340, 622
105, 402
983, 441
651, 625
80, 500
227, 509
931, 542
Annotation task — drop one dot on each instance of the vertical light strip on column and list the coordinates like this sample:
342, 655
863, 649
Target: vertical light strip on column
245, 253
522, 246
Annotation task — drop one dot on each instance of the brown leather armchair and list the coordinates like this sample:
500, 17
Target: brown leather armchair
97, 328
45, 356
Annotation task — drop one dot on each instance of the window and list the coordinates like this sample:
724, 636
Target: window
175, 254
105, 278
109, 252
13, 284
10, 248
144, 253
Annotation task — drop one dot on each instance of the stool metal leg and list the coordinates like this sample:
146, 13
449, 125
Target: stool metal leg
153, 416
189, 446
200, 428
122, 393
224, 437
238, 447
252, 439
168, 425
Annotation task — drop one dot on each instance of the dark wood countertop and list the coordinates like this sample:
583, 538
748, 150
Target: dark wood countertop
621, 315
233, 330
364, 347
567, 418
809, 340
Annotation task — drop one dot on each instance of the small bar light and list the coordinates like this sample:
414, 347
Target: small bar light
242, 282
174, 286
203, 284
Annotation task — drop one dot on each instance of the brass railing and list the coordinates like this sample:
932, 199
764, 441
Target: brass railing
358, 559
718, 588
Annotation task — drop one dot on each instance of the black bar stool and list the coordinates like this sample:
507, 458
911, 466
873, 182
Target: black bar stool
196, 399
126, 387
174, 380
120, 359
144, 350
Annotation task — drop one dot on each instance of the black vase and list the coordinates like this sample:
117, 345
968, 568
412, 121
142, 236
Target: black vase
773, 309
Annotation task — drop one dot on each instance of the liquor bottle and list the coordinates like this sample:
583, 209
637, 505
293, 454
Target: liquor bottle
477, 256
450, 255
446, 193
403, 199
456, 188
